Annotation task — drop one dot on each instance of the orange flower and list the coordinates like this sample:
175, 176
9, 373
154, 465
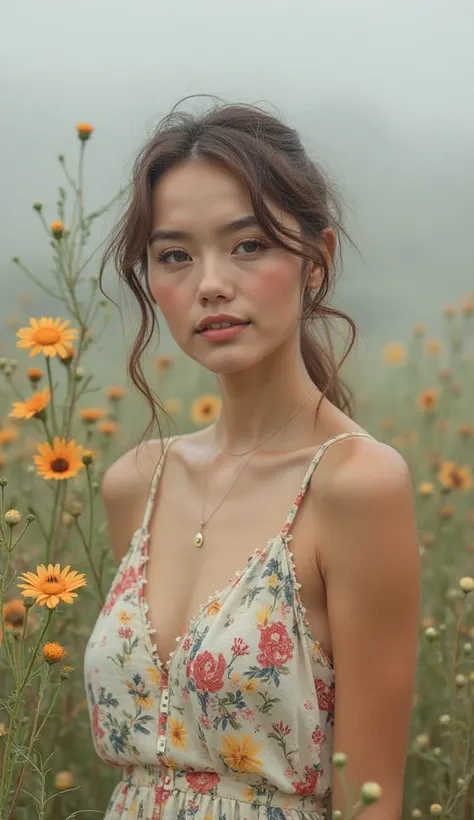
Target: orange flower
62, 460
205, 408
32, 406
455, 478
107, 427
84, 130
465, 430
47, 336
34, 374
449, 311
14, 613
57, 228
428, 399
64, 780
92, 414
394, 353
433, 347
50, 585
419, 329
387, 423
53, 652
8, 434
172, 406
163, 363
467, 305
70, 353
426, 488
115, 393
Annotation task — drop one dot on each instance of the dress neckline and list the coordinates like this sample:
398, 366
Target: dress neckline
284, 535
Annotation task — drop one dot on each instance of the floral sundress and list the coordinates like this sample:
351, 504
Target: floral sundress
237, 723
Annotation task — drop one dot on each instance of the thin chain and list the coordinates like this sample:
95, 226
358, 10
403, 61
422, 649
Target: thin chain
204, 521
244, 452
252, 451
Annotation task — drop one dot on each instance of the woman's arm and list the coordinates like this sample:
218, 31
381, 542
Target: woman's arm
372, 574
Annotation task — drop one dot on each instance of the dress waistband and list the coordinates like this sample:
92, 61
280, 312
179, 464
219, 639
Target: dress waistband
217, 785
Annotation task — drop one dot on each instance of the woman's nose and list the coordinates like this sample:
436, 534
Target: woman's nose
214, 282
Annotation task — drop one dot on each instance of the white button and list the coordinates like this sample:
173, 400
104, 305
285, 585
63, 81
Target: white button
160, 746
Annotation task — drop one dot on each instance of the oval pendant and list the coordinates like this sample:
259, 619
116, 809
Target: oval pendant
199, 539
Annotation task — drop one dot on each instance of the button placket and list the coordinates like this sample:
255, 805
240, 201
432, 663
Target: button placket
164, 703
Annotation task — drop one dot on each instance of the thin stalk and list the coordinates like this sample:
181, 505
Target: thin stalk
49, 544
91, 562
50, 380
6, 775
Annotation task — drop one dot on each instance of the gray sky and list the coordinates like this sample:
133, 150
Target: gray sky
381, 91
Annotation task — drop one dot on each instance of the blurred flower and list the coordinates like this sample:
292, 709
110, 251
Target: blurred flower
84, 130
32, 406
34, 374
172, 406
107, 427
68, 356
64, 780
456, 478
8, 434
115, 393
467, 584
436, 809
51, 585
427, 400
387, 424
467, 305
57, 228
394, 353
13, 614
62, 460
426, 488
465, 430
163, 363
419, 329
205, 408
433, 347
66, 672
445, 374
47, 336
53, 652
92, 414
370, 793
442, 425
447, 511
449, 311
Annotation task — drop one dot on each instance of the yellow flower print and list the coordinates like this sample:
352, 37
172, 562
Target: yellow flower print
240, 753
124, 617
178, 732
263, 615
273, 581
250, 685
154, 674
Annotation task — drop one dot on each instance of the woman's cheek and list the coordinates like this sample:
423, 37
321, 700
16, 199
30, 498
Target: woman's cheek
276, 285
171, 302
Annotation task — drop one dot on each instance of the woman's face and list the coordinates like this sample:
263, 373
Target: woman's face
202, 268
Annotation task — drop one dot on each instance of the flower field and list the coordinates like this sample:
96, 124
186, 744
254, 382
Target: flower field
60, 428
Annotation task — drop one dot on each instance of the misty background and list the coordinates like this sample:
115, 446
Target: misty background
381, 92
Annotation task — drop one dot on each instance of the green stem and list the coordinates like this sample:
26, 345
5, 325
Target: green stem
49, 544
6, 775
91, 562
50, 380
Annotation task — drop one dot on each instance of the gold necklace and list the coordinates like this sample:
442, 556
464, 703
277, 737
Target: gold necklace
199, 537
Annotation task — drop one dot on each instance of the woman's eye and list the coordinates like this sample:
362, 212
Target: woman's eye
164, 256
255, 242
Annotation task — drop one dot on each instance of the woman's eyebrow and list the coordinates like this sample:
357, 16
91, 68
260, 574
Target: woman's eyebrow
168, 233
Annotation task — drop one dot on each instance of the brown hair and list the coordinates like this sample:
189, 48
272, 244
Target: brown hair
269, 158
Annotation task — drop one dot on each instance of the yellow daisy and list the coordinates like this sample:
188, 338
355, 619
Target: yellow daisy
32, 406
205, 408
8, 434
91, 414
62, 460
454, 477
394, 353
427, 400
50, 585
48, 336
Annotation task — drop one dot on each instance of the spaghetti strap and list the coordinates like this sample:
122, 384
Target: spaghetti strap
154, 483
299, 498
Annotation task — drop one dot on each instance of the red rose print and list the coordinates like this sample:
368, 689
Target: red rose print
96, 727
125, 582
202, 782
208, 671
276, 646
125, 632
308, 786
326, 696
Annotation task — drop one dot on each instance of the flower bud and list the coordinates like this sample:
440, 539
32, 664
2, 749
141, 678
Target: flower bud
431, 633
467, 584
64, 780
370, 793
12, 518
416, 813
435, 809
445, 720
339, 760
38, 206
460, 681
467, 648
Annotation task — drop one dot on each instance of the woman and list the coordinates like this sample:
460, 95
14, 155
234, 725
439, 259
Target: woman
211, 675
